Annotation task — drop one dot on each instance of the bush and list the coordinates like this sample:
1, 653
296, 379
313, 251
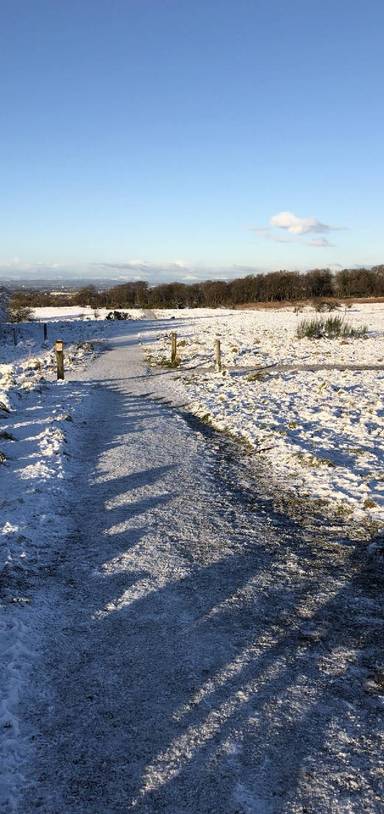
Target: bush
21, 313
325, 305
331, 328
118, 315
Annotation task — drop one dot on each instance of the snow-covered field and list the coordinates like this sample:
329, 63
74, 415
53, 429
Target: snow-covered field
321, 433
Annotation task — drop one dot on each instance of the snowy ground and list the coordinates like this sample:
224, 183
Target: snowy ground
35, 417
189, 649
321, 433
213, 654
36, 428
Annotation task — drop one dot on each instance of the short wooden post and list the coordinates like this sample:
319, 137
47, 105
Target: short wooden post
14, 336
173, 347
45, 327
59, 348
217, 355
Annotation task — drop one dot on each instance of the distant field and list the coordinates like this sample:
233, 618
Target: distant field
307, 303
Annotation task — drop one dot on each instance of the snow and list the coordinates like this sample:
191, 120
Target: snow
34, 412
320, 433
168, 641
76, 312
35, 462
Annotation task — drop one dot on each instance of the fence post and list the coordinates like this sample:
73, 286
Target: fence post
59, 348
45, 327
218, 355
173, 347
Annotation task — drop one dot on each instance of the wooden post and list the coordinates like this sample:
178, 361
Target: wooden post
218, 355
14, 331
173, 347
59, 348
45, 326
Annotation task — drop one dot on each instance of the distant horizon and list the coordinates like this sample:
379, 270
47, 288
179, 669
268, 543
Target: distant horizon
40, 275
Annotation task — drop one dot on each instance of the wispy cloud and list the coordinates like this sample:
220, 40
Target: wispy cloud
320, 242
286, 227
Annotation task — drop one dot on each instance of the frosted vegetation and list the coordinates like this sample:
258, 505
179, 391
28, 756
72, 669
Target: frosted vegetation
330, 328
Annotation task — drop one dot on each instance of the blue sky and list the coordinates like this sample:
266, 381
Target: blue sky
194, 134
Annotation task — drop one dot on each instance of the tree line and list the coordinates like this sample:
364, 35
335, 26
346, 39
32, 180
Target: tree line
277, 286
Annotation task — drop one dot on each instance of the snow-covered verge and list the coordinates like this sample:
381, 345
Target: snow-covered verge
320, 434
40, 419
36, 432
29, 365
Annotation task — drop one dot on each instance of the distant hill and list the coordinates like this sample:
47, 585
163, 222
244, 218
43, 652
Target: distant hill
58, 284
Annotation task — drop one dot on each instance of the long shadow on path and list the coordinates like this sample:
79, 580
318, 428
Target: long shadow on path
210, 656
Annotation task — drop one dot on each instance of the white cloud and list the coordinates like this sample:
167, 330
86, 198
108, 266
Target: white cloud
286, 227
298, 226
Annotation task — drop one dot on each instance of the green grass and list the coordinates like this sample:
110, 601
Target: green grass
331, 328
369, 504
312, 461
256, 377
163, 362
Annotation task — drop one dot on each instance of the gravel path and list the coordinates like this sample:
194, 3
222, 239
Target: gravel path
201, 653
